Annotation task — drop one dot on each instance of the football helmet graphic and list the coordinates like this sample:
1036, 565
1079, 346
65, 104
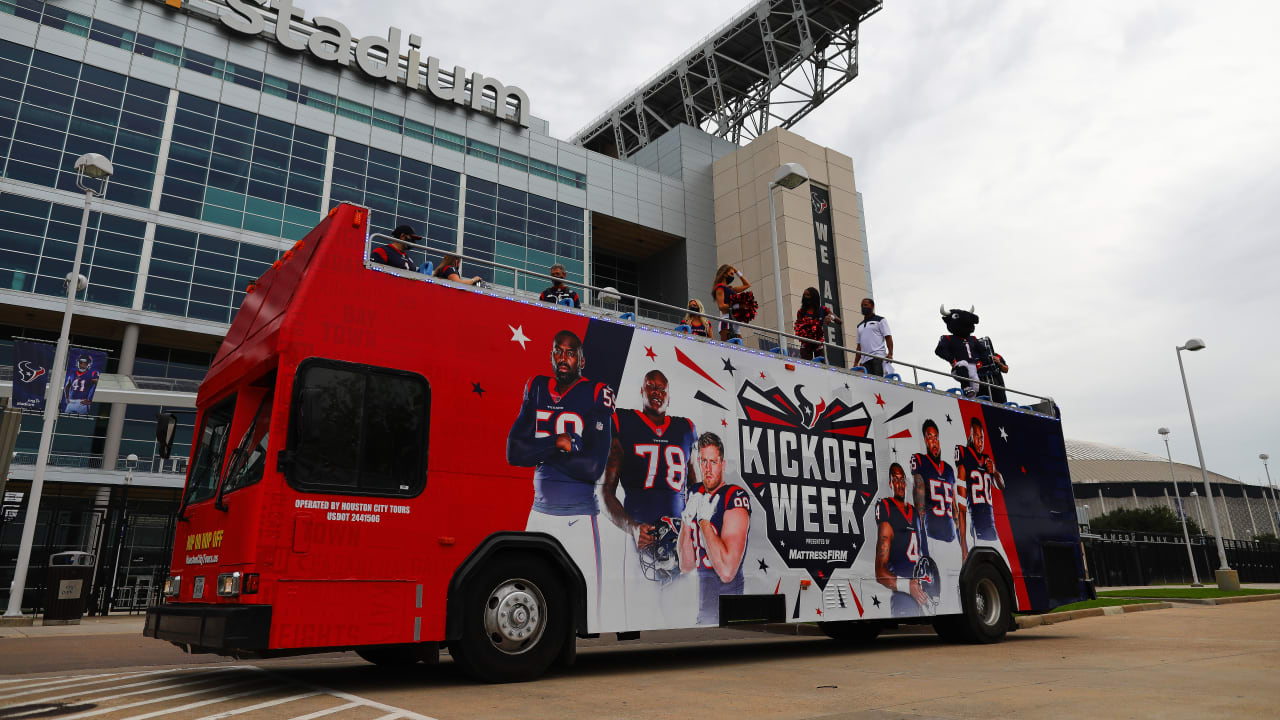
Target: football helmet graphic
659, 561
926, 572
83, 362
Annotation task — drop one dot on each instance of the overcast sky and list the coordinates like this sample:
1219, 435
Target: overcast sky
1100, 179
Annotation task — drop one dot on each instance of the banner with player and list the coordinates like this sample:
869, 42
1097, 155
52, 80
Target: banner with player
84, 367
676, 471
32, 361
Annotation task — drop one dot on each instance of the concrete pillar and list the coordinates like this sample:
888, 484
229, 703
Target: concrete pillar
1102, 499
115, 423
1169, 501
1136, 506
1248, 507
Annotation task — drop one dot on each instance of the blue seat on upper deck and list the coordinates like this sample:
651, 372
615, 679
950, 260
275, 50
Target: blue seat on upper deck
985, 397
955, 391
427, 268
627, 316
566, 301
893, 376
858, 368
927, 384
682, 328
735, 341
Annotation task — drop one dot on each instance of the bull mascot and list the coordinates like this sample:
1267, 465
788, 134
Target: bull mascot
966, 355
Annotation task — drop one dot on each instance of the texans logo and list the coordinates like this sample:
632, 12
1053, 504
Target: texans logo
29, 372
819, 205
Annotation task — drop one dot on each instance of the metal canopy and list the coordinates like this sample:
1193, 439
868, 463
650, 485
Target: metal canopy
770, 66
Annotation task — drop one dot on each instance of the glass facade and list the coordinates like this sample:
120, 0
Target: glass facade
52, 110
202, 276
398, 190
38, 244
521, 230
237, 168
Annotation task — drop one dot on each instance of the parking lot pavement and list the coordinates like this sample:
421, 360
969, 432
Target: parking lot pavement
205, 693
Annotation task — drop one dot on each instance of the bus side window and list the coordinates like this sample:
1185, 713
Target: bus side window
358, 429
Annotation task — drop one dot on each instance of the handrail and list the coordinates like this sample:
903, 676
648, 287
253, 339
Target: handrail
635, 301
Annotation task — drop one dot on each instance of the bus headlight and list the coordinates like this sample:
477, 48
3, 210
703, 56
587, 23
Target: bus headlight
171, 585
229, 584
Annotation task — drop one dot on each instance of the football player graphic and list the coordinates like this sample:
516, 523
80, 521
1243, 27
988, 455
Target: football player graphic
934, 487
975, 484
651, 458
898, 548
79, 387
563, 430
713, 536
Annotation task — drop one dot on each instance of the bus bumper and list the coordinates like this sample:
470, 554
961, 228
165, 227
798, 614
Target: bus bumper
211, 627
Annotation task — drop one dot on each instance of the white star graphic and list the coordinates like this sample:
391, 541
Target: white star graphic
1003, 435
517, 335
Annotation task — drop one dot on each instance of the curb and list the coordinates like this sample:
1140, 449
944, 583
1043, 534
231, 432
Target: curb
1213, 601
1030, 621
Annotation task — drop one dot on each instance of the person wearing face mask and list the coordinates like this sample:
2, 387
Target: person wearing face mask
811, 322
724, 293
874, 338
558, 292
697, 324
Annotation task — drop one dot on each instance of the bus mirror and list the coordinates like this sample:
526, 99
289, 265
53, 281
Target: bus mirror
166, 427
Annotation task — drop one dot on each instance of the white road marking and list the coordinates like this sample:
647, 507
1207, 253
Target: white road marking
395, 711
162, 688
81, 693
126, 706
261, 705
65, 683
194, 705
327, 711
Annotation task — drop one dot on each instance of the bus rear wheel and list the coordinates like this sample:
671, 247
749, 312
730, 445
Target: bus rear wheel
514, 622
984, 598
850, 632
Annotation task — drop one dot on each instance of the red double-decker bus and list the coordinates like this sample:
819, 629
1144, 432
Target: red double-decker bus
391, 463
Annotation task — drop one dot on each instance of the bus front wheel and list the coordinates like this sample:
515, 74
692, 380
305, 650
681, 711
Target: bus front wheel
514, 622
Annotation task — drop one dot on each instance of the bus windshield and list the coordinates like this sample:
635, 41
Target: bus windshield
251, 455
210, 450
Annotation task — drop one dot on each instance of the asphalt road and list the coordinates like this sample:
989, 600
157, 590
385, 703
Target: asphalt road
1185, 662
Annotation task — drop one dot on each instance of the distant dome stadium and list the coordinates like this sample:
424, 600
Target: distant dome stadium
1106, 478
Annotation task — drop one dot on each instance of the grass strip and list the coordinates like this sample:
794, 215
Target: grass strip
1101, 602
1185, 592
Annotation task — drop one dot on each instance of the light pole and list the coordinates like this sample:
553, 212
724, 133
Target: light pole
1182, 515
93, 173
1199, 510
1227, 578
1085, 520
1264, 458
789, 176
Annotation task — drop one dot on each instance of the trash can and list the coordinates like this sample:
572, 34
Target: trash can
67, 587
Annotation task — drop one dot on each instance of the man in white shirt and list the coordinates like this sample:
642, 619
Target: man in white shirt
874, 338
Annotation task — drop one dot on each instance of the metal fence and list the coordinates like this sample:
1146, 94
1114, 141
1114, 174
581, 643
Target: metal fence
1128, 558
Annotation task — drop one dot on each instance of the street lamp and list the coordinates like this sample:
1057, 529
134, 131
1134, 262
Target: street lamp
1227, 578
1264, 458
93, 171
789, 176
1199, 510
1195, 577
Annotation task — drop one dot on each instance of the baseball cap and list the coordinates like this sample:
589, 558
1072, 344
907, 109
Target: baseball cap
405, 230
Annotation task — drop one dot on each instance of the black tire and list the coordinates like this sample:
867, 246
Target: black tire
851, 632
984, 597
391, 655
515, 618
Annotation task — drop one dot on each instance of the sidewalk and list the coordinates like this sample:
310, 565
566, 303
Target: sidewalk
98, 625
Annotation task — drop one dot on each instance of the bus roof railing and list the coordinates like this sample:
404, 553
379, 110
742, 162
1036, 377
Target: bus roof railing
770, 341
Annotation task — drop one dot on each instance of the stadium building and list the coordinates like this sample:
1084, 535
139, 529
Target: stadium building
231, 134
1106, 478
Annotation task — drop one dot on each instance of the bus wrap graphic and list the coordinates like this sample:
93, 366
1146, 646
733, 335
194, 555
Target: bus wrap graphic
813, 470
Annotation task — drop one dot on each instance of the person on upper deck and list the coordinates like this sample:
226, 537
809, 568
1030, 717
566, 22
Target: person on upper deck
875, 338
697, 324
724, 297
448, 270
811, 322
396, 252
558, 292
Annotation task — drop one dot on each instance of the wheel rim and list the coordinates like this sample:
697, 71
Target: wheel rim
515, 616
986, 602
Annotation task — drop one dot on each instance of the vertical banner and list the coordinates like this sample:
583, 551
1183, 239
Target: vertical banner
31, 364
828, 283
83, 369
